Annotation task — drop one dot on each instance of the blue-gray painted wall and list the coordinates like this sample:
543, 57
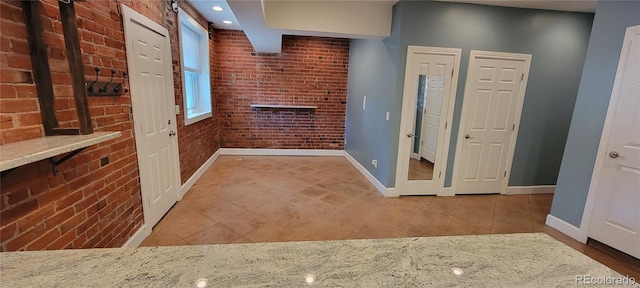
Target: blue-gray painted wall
557, 41
610, 22
373, 71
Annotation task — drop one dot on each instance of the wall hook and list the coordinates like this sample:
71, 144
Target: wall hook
116, 91
94, 81
104, 88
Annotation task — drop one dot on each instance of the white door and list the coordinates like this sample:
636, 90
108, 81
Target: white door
615, 218
431, 117
152, 97
428, 98
492, 104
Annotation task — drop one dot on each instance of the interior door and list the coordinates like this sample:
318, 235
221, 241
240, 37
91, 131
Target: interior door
150, 69
615, 218
430, 84
493, 88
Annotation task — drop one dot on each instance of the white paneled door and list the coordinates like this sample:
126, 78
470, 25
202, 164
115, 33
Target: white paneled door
152, 96
615, 217
492, 102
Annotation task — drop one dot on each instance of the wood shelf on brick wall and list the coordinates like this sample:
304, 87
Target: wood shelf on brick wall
28, 151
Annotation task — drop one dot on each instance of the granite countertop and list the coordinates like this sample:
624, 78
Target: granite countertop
513, 260
28, 151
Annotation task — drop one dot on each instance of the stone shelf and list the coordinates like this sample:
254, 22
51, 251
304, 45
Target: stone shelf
20, 153
275, 106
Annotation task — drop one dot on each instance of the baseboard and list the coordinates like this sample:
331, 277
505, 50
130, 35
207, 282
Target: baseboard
280, 152
192, 180
387, 192
538, 189
137, 238
566, 228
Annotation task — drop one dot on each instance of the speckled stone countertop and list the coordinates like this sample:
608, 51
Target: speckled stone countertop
514, 260
28, 151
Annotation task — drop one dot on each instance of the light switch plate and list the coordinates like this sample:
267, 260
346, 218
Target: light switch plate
177, 109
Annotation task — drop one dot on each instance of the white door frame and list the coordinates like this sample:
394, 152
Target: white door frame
444, 134
476, 54
582, 234
128, 14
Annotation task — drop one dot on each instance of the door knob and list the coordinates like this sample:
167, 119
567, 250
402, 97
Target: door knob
171, 133
467, 136
614, 154
409, 135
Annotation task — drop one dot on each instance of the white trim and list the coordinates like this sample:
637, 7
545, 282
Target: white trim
387, 192
444, 134
566, 228
137, 238
606, 133
538, 189
280, 152
194, 178
475, 54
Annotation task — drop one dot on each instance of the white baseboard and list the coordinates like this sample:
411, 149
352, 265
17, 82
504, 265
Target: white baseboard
192, 180
566, 228
137, 237
387, 192
539, 189
280, 152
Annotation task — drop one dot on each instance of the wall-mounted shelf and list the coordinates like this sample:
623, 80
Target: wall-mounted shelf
24, 152
270, 106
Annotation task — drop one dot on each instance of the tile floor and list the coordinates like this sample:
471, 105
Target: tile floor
244, 199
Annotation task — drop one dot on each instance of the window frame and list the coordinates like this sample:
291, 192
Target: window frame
204, 74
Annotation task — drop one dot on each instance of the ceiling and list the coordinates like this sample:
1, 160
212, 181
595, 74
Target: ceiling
265, 21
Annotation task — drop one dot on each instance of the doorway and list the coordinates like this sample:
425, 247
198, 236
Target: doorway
151, 84
431, 79
611, 212
493, 98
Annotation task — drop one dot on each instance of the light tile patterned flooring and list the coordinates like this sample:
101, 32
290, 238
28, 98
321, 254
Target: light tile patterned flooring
243, 199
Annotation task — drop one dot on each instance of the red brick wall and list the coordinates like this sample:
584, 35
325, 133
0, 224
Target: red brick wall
85, 205
197, 141
309, 71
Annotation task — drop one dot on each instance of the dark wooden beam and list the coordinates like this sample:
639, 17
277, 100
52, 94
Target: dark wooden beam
74, 57
40, 65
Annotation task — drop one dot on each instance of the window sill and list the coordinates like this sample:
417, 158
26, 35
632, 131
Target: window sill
195, 117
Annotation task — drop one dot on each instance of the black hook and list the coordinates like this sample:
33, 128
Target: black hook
104, 88
117, 89
94, 82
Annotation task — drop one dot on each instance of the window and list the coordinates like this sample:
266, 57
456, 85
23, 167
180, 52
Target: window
194, 55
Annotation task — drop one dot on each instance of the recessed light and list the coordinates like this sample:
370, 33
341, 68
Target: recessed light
217, 8
227, 22
309, 279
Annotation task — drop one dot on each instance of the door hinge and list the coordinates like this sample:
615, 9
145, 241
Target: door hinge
421, 142
505, 173
514, 127
522, 78
445, 125
440, 174
452, 72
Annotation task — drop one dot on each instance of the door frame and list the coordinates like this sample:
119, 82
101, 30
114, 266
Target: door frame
477, 54
128, 14
583, 230
405, 125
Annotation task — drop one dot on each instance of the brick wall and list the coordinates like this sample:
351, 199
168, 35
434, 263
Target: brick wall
197, 141
309, 71
87, 204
